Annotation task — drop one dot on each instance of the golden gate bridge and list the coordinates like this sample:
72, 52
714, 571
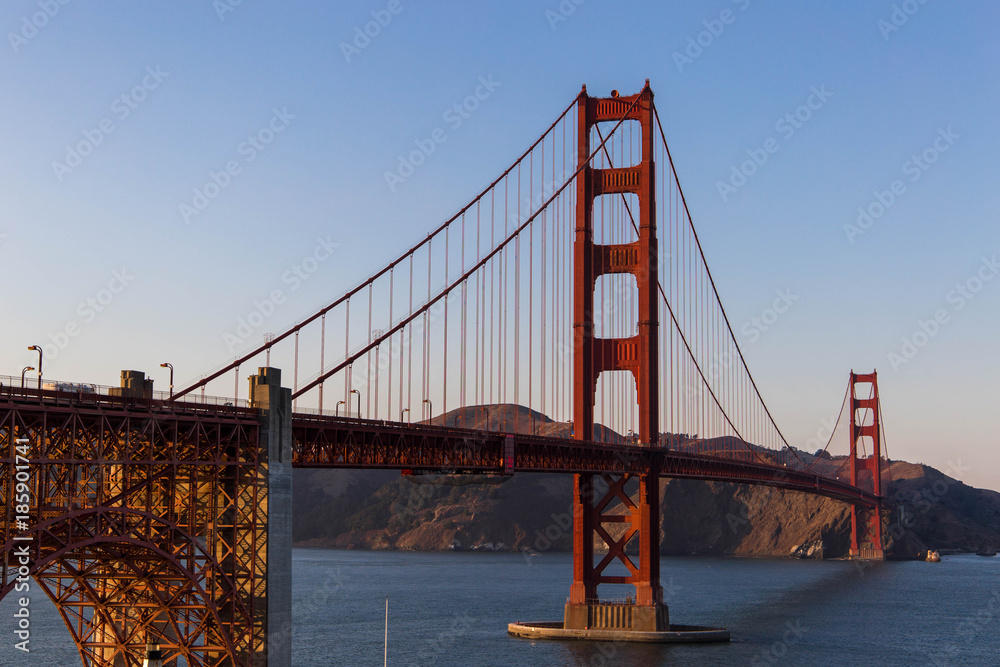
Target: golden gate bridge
574, 284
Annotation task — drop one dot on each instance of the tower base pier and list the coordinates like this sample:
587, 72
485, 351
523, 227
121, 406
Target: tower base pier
678, 634
617, 622
867, 552
616, 616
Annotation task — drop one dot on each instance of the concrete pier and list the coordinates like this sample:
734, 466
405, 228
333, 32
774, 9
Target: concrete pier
267, 394
624, 621
678, 634
616, 616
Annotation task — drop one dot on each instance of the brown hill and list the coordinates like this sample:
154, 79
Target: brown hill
532, 512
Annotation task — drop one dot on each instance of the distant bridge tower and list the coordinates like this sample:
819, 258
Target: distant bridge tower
866, 524
596, 500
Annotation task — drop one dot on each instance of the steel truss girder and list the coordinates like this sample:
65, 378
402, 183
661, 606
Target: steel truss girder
332, 442
148, 523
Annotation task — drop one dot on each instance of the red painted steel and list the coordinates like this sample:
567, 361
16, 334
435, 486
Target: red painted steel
105, 529
866, 523
151, 514
147, 523
332, 442
637, 354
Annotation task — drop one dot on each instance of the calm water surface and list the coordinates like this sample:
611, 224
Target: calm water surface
453, 609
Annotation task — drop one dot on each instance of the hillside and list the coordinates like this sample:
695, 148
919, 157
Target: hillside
357, 509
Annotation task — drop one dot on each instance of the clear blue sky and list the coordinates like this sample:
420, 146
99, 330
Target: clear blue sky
207, 78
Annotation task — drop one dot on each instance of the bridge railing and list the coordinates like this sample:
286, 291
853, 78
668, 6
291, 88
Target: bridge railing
83, 391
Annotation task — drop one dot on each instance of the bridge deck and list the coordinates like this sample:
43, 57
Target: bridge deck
326, 441
331, 442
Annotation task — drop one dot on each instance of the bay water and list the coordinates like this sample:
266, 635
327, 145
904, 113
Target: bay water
453, 609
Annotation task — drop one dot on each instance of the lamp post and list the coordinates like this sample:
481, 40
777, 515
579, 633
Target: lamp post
430, 408
26, 369
268, 338
355, 391
403, 412
171, 367
38, 349
339, 403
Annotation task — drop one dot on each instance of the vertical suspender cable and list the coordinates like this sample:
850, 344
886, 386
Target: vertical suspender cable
517, 297
444, 349
388, 384
347, 353
295, 372
322, 357
368, 359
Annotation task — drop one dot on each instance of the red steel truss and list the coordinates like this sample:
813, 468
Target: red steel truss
637, 354
866, 522
147, 524
331, 442
147, 520
150, 523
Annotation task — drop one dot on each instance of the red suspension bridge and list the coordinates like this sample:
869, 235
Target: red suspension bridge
574, 285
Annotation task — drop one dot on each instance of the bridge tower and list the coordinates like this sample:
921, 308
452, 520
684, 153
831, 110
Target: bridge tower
866, 524
598, 501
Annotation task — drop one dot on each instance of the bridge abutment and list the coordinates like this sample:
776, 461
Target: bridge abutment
275, 402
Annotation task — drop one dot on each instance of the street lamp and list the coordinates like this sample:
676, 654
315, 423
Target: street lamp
430, 409
403, 412
171, 367
339, 403
268, 338
355, 391
38, 349
26, 369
